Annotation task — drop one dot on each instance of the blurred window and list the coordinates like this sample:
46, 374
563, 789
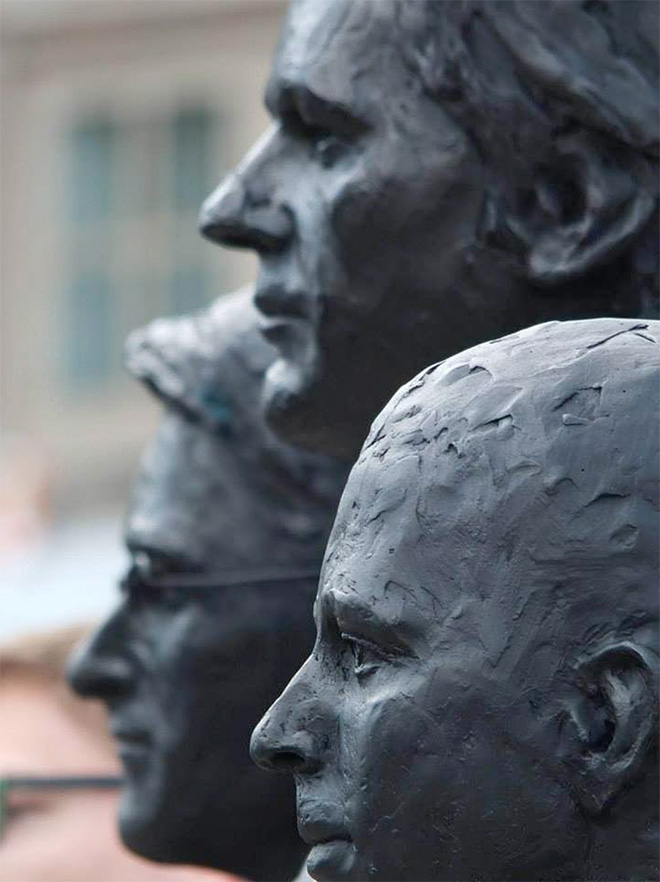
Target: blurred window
93, 154
91, 337
134, 189
191, 155
189, 288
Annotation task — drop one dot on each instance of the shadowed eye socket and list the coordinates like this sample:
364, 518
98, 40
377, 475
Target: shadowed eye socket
141, 590
328, 142
153, 571
367, 656
152, 565
151, 578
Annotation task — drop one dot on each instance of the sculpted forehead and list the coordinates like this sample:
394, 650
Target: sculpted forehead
546, 398
515, 463
199, 497
329, 46
192, 496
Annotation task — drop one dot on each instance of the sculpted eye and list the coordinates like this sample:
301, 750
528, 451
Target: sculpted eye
326, 145
134, 584
366, 655
149, 581
153, 565
329, 148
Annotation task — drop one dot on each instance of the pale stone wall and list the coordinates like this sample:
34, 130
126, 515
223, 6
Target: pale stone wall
138, 59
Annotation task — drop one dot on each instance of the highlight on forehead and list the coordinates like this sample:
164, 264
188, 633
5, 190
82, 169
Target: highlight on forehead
327, 47
564, 410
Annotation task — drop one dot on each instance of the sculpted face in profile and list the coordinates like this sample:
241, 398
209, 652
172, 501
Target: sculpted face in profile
482, 698
438, 174
226, 531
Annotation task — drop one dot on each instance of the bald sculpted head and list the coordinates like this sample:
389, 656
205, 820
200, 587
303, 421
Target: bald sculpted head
486, 660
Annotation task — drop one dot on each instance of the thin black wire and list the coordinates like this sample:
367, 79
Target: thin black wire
219, 579
51, 782
61, 782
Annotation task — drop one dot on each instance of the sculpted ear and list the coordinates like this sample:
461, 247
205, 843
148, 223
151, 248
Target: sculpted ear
583, 208
612, 724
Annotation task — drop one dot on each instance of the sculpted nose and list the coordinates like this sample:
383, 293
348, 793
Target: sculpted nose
277, 749
288, 738
247, 211
100, 668
235, 216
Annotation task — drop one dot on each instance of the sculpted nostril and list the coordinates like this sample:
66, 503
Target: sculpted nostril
94, 675
221, 213
297, 757
265, 229
236, 216
229, 235
286, 761
291, 753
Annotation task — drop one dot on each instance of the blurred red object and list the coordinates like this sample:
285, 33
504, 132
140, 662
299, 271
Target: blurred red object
25, 494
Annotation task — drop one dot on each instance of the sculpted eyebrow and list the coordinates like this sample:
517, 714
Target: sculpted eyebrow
287, 99
317, 108
356, 617
177, 560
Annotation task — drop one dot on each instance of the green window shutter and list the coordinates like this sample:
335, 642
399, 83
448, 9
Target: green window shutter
90, 350
192, 145
93, 149
188, 289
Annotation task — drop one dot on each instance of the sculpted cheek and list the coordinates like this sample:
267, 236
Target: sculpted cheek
371, 205
394, 732
351, 208
372, 746
400, 800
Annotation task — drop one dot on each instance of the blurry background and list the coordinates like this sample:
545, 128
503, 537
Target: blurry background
118, 118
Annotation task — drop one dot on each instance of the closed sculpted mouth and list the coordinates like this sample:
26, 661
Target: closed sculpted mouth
134, 746
276, 301
333, 855
285, 320
130, 736
321, 832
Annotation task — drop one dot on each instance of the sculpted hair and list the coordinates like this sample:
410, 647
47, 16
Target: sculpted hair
556, 430
209, 367
540, 87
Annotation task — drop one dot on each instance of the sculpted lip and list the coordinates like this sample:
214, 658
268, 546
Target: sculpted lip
278, 302
332, 853
283, 332
129, 736
321, 832
133, 747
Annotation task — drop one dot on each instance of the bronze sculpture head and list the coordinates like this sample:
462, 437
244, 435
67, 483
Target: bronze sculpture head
225, 530
482, 698
440, 173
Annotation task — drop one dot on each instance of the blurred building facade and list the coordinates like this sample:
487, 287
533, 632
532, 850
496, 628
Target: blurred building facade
118, 117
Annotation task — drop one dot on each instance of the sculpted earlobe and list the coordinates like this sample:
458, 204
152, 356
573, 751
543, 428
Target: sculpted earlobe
612, 724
